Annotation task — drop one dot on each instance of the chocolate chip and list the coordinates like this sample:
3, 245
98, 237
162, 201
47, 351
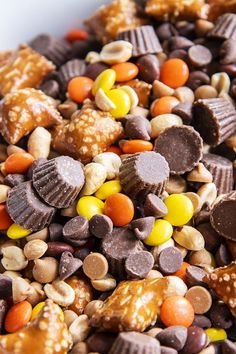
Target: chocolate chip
81, 253
142, 227
201, 321
211, 237
196, 340
76, 229
100, 225
13, 180
228, 347
170, 260
184, 111
55, 232
179, 42
154, 206
51, 88
166, 31
95, 69
185, 28
196, 79
149, 68
80, 48
220, 316
199, 55
55, 249
195, 276
3, 312
173, 336
5, 287
179, 53
168, 350
100, 342
222, 256
138, 127
139, 264
68, 265
228, 52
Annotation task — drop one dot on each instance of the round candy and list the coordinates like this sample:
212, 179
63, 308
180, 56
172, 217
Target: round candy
107, 189
161, 232
121, 100
136, 145
125, 71
79, 88
18, 316
174, 73
16, 232
19, 162
104, 81
36, 310
216, 334
163, 105
119, 208
177, 311
5, 220
180, 209
89, 206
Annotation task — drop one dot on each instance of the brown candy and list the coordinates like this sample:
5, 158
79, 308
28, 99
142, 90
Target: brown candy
225, 27
135, 343
139, 264
28, 109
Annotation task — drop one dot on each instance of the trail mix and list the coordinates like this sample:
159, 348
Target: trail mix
117, 184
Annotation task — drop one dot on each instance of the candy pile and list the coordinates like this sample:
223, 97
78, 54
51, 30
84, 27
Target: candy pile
118, 184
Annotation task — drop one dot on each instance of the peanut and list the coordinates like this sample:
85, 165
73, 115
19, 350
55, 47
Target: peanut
105, 284
13, 258
80, 329
21, 289
3, 192
95, 176
39, 235
92, 307
111, 162
39, 143
116, 52
162, 122
60, 292
189, 238
35, 249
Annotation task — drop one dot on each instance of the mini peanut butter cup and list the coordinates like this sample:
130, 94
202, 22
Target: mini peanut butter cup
214, 119
223, 216
144, 173
221, 170
27, 209
135, 343
59, 181
225, 27
143, 39
71, 69
55, 49
181, 146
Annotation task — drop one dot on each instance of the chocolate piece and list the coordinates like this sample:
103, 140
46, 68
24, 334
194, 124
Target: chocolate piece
170, 260
13, 180
211, 237
223, 216
95, 69
5, 287
144, 173
225, 27
72, 68
56, 50
231, 245
195, 276
228, 347
68, 265
55, 232
81, 253
117, 247
165, 31
100, 342
214, 119
196, 340
59, 181
184, 111
138, 127
222, 256
143, 39
228, 52
149, 68
199, 55
135, 343
154, 206
173, 336
220, 316
181, 146
35, 164
79, 49
142, 227
3, 312
168, 350
139, 264
179, 53
50, 88
196, 79
100, 225
232, 91
26, 209
76, 229
179, 42
221, 170
201, 321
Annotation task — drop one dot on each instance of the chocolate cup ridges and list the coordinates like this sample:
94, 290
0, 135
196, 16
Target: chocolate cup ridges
225, 27
59, 181
27, 209
221, 170
135, 343
143, 39
71, 69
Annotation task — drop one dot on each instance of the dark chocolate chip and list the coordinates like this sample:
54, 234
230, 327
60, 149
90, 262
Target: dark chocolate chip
55, 232
100, 225
228, 52
195, 276
173, 336
138, 127
13, 180
51, 88
139, 264
196, 340
35, 164
100, 342
149, 68
199, 55
81, 253
211, 237
196, 79
55, 249
179, 53
154, 206
95, 69
220, 316
170, 260
228, 347
168, 350
5, 287
142, 227
3, 312
201, 321
179, 42
76, 229
166, 31
68, 265
185, 28
222, 256
184, 110
80, 49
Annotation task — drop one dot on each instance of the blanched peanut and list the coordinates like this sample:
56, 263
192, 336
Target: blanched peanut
60, 292
221, 82
7, 244
39, 235
37, 294
92, 307
20, 289
189, 238
205, 91
95, 176
13, 258
45, 269
3, 192
196, 201
12, 149
153, 274
116, 52
80, 348
134, 100
175, 286
69, 317
139, 111
156, 250
39, 143
80, 329
200, 174
111, 162
184, 94
92, 57
103, 101
35, 249
202, 27
106, 284
162, 122
183, 250
160, 90
207, 194
12, 274
200, 258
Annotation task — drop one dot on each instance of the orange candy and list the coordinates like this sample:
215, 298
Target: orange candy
133, 146
174, 73
177, 311
19, 162
5, 220
125, 71
77, 34
80, 88
18, 316
114, 149
181, 273
119, 208
163, 105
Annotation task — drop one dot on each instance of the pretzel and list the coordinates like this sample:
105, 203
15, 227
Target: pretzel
219, 7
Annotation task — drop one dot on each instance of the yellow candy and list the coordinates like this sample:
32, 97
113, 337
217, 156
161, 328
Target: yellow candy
104, 81
15, 232
180, 209
37, 308
107, 189
122, 102
89, 206
161, 232
216, 334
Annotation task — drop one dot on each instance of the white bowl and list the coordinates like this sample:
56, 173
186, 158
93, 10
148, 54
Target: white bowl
21, 20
